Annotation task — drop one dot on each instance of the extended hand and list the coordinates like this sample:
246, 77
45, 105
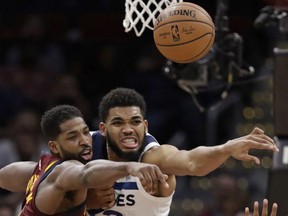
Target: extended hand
150, 176
264, 209
100, 198
239, 147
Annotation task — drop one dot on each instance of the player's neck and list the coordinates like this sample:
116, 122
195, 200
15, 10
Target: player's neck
112, 155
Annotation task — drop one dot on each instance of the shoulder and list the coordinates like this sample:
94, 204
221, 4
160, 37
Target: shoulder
96, 133
157, 154
150, 138
97, 137
150, 142
61, 169
68, 164
163, 148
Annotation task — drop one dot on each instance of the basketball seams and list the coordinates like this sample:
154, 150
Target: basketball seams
187, 42
191, 5
197, 56
184, 32
177, 21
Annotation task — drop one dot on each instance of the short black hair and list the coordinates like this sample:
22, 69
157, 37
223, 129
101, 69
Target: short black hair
53, 118
121, 97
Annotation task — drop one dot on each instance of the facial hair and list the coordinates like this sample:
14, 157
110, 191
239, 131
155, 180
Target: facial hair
71, 156
130, 155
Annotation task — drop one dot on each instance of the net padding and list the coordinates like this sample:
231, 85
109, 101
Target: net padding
142, 14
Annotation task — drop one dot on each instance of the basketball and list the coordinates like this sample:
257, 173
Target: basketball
184, 32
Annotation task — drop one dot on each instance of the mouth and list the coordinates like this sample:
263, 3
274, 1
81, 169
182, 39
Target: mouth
86, 154
129, 142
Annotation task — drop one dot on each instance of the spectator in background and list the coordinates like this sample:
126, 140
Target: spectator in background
33, 49
229, 199
22, 142
66, 91
31, 64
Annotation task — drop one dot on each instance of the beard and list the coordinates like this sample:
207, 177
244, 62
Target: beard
130, 155
66, 155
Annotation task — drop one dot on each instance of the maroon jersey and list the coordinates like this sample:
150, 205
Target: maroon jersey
45, 165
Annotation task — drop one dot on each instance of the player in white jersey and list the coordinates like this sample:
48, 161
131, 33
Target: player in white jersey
123, 129
132, 199
128, 190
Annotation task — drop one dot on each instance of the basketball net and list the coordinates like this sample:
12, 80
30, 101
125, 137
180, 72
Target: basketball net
142, 14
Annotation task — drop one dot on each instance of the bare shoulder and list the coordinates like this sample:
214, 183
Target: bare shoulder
157, 154
63, 168
164, 149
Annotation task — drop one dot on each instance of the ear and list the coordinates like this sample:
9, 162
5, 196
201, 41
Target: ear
146, 126
53, 147
102, 128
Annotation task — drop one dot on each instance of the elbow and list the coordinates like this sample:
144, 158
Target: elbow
84, 175
201, 173
197, 170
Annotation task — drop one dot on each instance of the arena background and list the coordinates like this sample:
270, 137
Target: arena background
74, 51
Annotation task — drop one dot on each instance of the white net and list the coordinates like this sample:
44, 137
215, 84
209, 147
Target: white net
142, 14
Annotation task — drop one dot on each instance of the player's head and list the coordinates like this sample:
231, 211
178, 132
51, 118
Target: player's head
122, 121
67, 133
121, 97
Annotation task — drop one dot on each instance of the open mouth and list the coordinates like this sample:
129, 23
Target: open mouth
129, 142
86, 154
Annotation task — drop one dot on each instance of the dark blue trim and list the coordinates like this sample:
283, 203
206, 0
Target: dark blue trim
126, 186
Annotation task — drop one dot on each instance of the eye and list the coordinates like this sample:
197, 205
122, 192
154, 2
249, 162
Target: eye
137, 121
117, 123
86, 130
72, 137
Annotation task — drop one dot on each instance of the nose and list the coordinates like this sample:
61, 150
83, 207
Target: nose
127, 129
85, 139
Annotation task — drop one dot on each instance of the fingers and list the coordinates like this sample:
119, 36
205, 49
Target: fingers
146, 175
256, 209
260, 144
247, 157
150, 176
257, 130
264, 212
265, 208
150, 182
259, 136
274, 209
101, 198
110, 204
107, 197
162, 177
259, 141
247, 212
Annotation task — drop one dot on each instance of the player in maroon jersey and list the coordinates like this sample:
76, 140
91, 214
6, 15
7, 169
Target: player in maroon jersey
58, 183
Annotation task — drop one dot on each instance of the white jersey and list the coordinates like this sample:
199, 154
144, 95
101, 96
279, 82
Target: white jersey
133, 200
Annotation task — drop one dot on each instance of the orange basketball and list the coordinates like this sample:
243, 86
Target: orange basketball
184, 32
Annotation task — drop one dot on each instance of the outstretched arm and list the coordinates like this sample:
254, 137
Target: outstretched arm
204, 159
72, 175
14, 177
264, 209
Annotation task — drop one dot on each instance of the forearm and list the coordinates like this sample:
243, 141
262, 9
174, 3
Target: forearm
99, 173
204, 160
15, 177
196, 162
